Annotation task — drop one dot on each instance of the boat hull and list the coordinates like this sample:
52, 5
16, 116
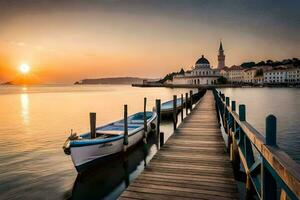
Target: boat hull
83, 155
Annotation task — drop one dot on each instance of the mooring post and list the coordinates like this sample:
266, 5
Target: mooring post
125, 141
191, 100
161, 139
174, 112
157, 105
268, 183
145, 119
93, 124
181, 107
186, 103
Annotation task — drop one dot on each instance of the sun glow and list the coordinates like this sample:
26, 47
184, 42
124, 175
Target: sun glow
24, 68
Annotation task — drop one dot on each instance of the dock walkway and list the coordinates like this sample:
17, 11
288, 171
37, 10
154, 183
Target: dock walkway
192, 164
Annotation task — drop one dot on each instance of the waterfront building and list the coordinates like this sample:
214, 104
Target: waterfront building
224, 72
202, 74
293, 75
235, 74
282, 75
258, 79
275, 76
249, 75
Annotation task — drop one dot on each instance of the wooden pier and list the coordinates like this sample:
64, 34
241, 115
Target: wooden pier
193, 164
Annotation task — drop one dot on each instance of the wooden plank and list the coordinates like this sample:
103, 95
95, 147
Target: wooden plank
191, 165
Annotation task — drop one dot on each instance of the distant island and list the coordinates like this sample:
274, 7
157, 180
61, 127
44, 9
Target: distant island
7, 83
114, 80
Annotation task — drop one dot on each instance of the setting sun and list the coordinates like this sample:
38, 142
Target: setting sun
24, 68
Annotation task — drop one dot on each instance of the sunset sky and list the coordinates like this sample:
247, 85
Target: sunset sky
64, 41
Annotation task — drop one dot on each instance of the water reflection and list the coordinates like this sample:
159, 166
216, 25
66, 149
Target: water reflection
107, 178
25, 108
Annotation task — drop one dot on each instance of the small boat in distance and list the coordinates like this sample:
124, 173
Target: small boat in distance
167, 108
109, 139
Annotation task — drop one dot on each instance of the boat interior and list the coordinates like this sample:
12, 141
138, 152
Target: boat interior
117, 128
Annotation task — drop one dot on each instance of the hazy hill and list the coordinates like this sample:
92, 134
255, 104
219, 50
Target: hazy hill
115, 80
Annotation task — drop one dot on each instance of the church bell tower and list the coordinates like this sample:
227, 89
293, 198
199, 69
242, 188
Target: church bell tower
221, 57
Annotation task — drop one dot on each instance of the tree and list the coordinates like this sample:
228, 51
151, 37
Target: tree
222, 80
248, 64
261, 63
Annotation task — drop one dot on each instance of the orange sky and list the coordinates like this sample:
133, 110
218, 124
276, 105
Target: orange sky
64, 43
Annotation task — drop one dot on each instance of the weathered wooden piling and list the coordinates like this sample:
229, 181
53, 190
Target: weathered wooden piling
93, 124
157, 106
125, 141
145, 119
191, 100
186, 103
181, 107
174, 111
161, 139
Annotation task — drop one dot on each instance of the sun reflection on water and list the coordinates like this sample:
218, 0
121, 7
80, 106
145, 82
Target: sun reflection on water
25, 108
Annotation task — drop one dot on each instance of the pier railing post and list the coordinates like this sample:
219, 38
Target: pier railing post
181, 107
228, 130
191, 100
125, 141
186, 103
93, 124
234, 152
174, 112
268, 183
248, 152
270, 130
227, 101
145, 119
242, 112
233, 106
157, 105
236, 160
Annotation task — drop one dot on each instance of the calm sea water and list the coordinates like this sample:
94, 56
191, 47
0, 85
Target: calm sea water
35, 122
284, 103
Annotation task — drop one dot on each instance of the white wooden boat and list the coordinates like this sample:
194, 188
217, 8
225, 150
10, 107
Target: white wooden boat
109, 139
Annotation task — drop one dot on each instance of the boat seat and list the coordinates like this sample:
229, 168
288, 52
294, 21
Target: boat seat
111, 132
134, 121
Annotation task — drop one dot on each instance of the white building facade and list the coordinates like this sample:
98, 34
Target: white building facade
291, 75
202, 74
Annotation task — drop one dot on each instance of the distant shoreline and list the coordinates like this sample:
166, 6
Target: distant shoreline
215, 86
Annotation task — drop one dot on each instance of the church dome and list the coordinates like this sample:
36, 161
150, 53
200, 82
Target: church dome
202, 60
